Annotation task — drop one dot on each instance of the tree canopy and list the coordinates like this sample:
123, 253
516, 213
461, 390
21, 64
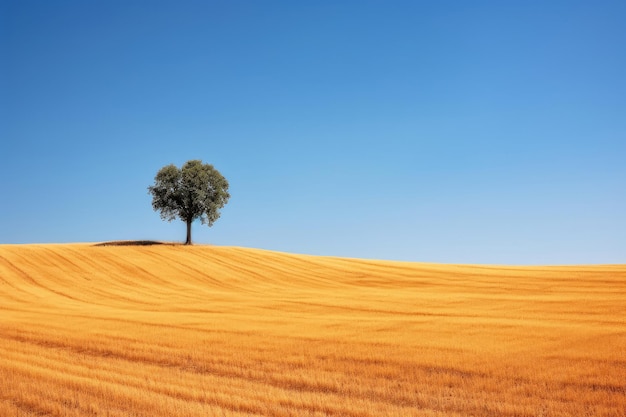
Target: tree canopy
195, 191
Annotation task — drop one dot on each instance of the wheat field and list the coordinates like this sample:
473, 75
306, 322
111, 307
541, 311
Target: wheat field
170, 330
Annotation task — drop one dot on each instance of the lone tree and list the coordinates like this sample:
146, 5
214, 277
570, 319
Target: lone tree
196, 191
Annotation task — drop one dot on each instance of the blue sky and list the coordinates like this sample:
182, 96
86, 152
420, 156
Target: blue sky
469, 132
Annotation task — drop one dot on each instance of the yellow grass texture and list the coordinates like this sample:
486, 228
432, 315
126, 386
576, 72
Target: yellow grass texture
169, 330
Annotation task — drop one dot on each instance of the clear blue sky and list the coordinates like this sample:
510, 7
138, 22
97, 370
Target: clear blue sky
452, 131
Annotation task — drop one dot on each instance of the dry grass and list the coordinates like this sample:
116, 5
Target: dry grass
165, 330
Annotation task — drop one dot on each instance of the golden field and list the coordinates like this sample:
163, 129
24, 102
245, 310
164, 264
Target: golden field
170, 330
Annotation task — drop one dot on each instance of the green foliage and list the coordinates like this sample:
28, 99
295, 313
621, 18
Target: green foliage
196, 191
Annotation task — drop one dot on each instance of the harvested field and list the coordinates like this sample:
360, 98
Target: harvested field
169, 330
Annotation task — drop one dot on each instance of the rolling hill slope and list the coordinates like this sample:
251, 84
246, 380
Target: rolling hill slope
168, 330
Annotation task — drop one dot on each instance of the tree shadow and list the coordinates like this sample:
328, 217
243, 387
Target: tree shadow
132, 243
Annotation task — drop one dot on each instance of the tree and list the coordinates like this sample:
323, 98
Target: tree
196, 191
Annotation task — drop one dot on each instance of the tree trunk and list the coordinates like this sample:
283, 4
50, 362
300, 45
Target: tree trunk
188, 241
